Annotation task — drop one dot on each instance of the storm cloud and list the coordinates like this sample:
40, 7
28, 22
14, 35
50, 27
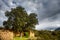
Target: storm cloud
48, 11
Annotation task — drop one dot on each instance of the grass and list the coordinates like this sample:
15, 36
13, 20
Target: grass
20, 38
23, 38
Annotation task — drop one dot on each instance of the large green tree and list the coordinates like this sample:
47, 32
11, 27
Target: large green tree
19, 20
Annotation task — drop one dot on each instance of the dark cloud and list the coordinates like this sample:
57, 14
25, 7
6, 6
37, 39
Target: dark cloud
49, 8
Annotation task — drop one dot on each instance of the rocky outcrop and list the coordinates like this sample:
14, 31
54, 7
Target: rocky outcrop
6, 35
32, 34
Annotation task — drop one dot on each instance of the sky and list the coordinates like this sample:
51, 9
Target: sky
48, 11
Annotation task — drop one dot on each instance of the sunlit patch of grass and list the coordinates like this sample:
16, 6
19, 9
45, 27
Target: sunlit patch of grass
20, 38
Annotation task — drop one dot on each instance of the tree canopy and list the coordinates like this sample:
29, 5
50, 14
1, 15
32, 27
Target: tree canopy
19, 20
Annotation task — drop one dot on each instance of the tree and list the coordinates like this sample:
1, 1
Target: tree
19, 20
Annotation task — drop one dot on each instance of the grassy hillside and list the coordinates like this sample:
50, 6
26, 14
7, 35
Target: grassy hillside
43, 35
48, 35
19, 38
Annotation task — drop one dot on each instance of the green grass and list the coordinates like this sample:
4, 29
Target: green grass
20, 38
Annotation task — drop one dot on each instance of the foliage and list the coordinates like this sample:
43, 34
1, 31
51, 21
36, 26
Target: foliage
19, 20
48, 35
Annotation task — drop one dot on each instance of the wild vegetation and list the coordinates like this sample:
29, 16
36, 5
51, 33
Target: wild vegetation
47, 35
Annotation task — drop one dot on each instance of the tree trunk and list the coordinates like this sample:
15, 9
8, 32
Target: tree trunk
22, 34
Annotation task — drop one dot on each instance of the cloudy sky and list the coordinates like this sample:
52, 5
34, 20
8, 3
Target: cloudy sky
48, 11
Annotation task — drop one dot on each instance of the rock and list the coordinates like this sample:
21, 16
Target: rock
6, 35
